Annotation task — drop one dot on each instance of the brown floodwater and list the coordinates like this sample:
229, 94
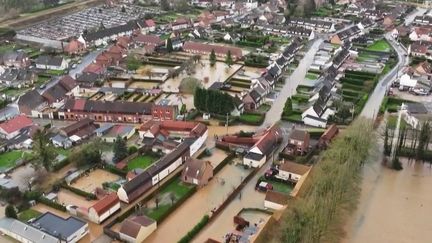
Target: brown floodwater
395, 206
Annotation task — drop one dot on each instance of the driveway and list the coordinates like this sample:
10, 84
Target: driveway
291, 83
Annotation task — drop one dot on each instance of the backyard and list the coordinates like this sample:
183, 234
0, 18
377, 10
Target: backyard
252, 118
379, 45
95, 179
28, 214
141, 162
167, 197
356, 86
9, 159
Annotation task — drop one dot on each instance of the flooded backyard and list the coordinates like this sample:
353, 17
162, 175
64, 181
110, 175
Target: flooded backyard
94, 179
201, 203
394, 206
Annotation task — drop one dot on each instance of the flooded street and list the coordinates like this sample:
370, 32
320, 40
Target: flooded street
184, 218
394, 206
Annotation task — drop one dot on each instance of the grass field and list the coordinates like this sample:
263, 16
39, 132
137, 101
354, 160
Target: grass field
8, 159
141, 162
380, 45
251, 118
28, 214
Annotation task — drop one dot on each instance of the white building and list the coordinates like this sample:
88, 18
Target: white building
137, 229
24, 233
275, 200
290, 171
51, 63
104, 208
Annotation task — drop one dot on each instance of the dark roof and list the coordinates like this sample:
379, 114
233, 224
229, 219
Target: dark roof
88, 77
300, 135
132, 226
55, 93
255, 96
100, 34
142, 182
340, 57
295, 168
58, 226
49, 60
416, 108
119, 107
31, 99
254, 156
72, 128
274, 71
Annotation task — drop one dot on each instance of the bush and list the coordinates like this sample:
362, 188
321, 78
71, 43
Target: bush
10, 212
52, 204
32, 195
60, 165
195, 230
115, 170
132, 150
252, 119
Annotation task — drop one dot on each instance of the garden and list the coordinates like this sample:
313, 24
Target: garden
252, 118
141, 162
9, 159
356, 86
165, 201
379, 45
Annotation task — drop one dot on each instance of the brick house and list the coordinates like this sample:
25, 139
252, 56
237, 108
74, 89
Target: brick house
298, 143
75, 47
197, 172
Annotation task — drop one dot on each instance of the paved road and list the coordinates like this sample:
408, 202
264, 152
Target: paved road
291, 83
410, 17
373, 104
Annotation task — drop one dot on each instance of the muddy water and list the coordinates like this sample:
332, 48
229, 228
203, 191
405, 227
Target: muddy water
202, 202
395, 206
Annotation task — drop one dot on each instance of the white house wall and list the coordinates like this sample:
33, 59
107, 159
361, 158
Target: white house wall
254, 163
166, 171
272, 205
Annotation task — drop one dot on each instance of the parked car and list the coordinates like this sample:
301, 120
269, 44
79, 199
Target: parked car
420, 92
264, 186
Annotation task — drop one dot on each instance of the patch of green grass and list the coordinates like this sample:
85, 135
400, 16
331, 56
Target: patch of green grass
7, 47
392, 122
311, 76
55, 72
141, 162
177, 187
252, 118
278, 186
9, 159
380, 45
28, 214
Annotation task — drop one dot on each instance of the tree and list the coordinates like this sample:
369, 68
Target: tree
213, 101
132, 63
423, 140
132, 150
88, 154
228, 59
212, 58
120, 149
123, 9
183, 109
288, 109
165, 6
387, 147
43, 150
169, 45
10, 212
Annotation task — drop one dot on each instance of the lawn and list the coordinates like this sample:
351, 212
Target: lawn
141, 162
252, 118
9, 159
181, 192
6, 48
55, 72
295, 117
311, 76
278, 186
380, 45
392, 122
28, 214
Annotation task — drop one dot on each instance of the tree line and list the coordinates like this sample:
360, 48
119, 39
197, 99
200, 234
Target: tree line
213, 101
329, 193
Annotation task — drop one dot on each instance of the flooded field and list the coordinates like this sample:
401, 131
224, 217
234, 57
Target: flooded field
143, 85
395, 206
201, 203
203, 72
66, 197
94, 179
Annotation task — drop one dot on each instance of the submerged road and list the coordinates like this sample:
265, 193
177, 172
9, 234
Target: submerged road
291, 83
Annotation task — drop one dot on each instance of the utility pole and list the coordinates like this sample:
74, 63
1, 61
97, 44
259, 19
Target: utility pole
226, 124
396, 134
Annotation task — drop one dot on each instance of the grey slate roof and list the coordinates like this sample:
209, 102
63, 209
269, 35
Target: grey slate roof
49, 60
26, 231
58, 226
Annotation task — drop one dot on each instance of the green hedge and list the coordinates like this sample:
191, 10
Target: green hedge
52, 204
79, 192
195, 230
294, 117
60, 164
115, 170
353, 93
254, 119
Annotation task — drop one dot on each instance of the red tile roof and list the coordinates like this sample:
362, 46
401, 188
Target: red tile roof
93, 68
15, 124
150, 23
106, 203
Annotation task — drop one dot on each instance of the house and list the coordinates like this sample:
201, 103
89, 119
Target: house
159, 131
89, 79
423, 20
110, 132
80, 130
69, 230
106, 111
422, 33
12, 127
23, 232
315, 25
420, 49
137, 228
275, 200
104, 208
344, 35
61, 141
416, 114
206, 49
292, 172
76, 46
143, 182
17, 78
389, 21
181, 24
423, 71
51, 63
197, 172
16, 59
231, 37
258, 154
142, 40
328, 136
164, 110
31, 101
318, 114
298, 143
58, 92
406, 81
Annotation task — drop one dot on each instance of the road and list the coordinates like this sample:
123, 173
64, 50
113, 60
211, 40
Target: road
410, 17
375, 99
291, 83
